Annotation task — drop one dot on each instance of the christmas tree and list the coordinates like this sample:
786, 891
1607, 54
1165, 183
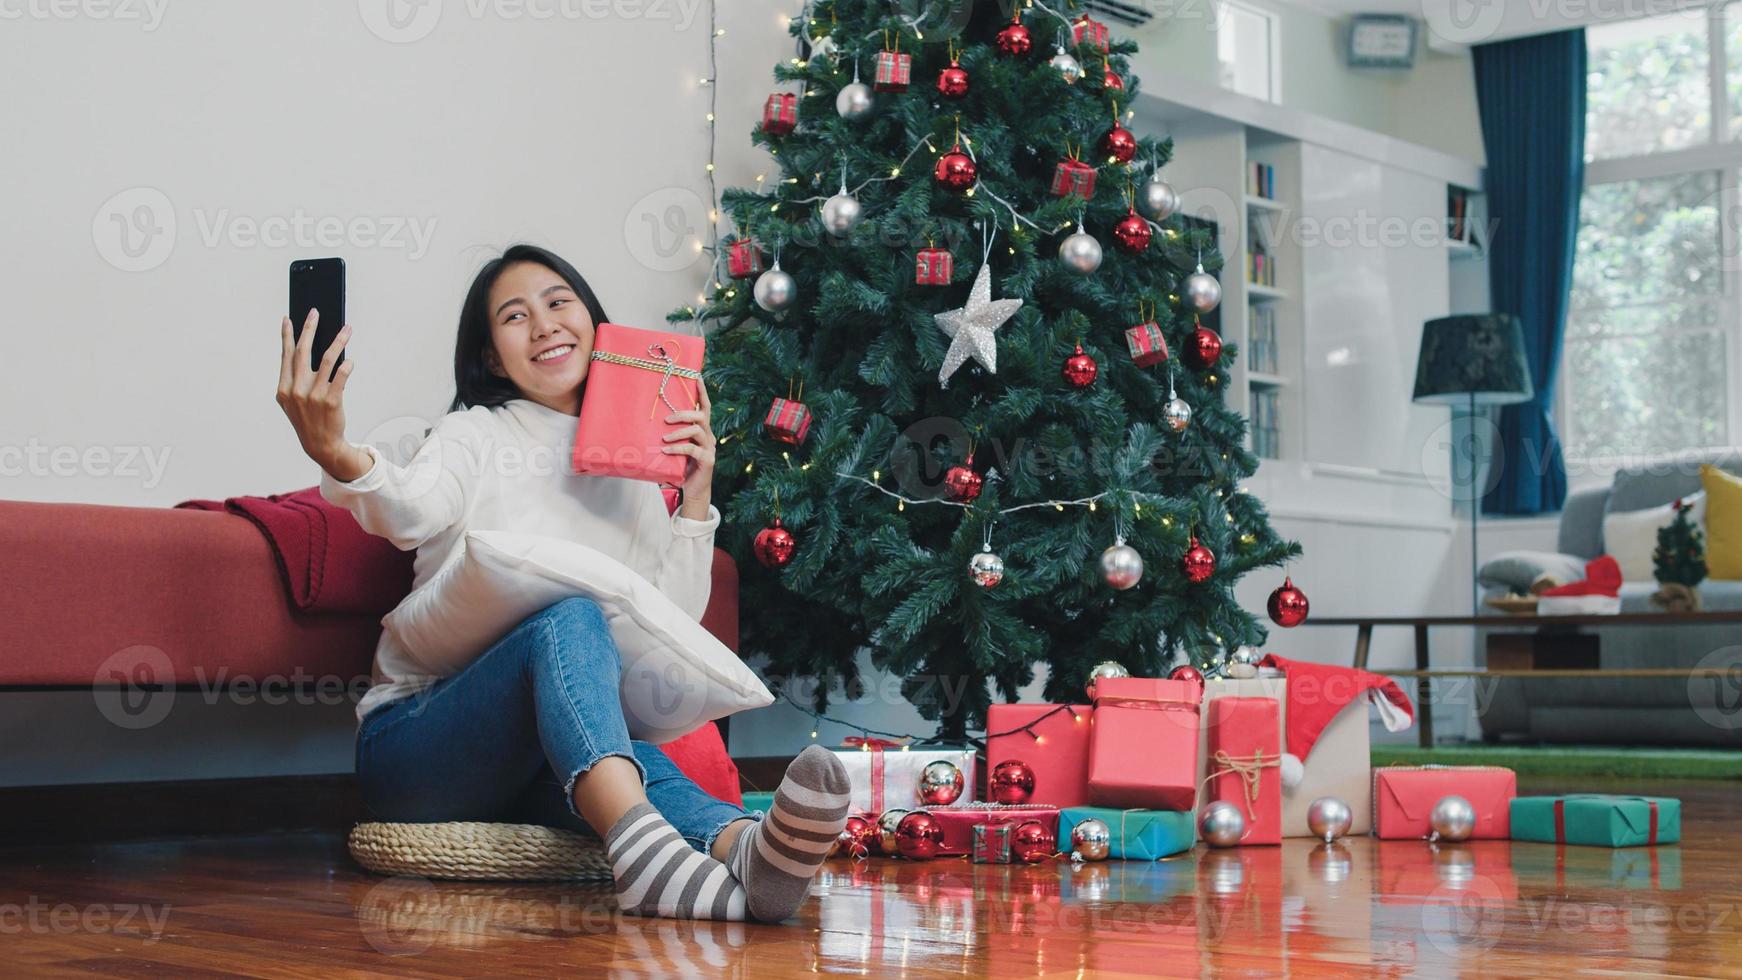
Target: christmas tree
968, 417
1680, 557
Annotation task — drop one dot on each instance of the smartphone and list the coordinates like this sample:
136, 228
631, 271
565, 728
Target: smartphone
318, 284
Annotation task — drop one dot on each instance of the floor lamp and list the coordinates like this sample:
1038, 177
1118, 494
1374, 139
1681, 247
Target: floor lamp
1471, 360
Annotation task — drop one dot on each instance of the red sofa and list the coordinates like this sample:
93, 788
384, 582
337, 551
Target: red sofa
87, 585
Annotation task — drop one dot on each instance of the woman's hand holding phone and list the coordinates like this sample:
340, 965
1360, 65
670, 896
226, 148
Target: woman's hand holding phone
313, 400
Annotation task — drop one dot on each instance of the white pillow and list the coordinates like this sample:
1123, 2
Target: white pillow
676, 675
1630, 536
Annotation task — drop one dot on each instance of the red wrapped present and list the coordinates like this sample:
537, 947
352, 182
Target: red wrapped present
1143, 749
1087, 30
744, 258
1053, 739
960, 820
935, 267
1245, 763
1404, 798
637, 378
894, 71
1073, 177
780, 114
1146, 343
788, 421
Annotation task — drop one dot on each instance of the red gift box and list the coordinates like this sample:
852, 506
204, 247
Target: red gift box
1073, 177
960, 820
935, 267
1404, 799
637, 378
788, 421
1245, 763
1143, 747
1146, 343
1087, 30
780, 114
1053, 739
744, 258
894, 70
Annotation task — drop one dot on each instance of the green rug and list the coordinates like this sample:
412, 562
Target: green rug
1553, 760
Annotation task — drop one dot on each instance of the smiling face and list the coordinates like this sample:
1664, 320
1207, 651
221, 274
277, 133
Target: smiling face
541, 336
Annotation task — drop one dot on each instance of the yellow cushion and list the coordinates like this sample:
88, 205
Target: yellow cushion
1723, 522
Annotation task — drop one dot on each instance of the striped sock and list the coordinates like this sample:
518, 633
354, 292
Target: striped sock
659, 873
777, 858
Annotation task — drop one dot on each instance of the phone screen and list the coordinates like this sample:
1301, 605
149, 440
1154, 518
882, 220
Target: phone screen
318, 284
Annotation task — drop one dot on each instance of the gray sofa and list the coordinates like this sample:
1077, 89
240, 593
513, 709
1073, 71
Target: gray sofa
1702, 711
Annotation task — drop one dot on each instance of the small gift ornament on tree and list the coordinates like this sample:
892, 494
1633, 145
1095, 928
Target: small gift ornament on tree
894, 69
1087, 30
1073, 176
780, 114
1145, 341
744, 258
1679, 563
935, 266
788, 419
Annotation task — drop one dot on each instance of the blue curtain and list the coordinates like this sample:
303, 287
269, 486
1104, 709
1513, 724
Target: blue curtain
1531, 92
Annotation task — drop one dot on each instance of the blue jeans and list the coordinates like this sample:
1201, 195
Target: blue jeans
489, 742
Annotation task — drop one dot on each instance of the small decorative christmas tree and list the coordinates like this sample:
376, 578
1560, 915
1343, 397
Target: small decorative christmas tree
1679, 563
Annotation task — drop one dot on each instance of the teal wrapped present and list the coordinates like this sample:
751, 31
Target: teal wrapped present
1137, 835
1597, 819
759, 802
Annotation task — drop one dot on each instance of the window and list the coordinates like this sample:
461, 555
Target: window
1651, 361
1246, 50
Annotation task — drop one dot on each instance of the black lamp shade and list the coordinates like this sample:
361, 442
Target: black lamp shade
1476, 358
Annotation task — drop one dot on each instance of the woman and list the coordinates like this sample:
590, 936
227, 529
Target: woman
532, 730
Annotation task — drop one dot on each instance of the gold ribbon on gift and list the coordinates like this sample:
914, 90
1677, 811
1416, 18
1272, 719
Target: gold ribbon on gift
1148, 704
657, 360
1248, 768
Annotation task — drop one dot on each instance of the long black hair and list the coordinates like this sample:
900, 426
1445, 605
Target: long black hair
474, 384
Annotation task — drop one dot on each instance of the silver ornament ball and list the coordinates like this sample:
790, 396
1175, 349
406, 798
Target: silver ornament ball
987, 569
1177, 414
1222, 824
1453, 819
886, 824
1106, 668
1203, 293
1329, 818
940, 783
775, 291
1080, 252
1158, 200
1066, 66
1121, 565
855, 101
841, 213
1246, 655
1092, 839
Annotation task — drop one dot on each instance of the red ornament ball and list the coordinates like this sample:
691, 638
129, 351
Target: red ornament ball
774, 545
1186, 672
1011, 781
1119, 143
1111, 80
1132, 233
1198, 563
955, 170
918, 836
953, 82
1015, 41
857, 839
1287, 605
1080, 369
1032, 843
962, 483
1203, 348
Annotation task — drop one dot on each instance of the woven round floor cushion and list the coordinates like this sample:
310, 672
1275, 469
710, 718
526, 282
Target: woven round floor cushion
474, 851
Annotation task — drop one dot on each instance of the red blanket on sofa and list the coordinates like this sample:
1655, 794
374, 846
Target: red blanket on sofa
329, 564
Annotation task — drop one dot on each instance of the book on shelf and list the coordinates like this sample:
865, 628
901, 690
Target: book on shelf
1261, 338
1261, 180
1260, 268
1266, 434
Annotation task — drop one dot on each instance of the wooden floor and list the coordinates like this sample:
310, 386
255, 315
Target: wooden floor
295, 906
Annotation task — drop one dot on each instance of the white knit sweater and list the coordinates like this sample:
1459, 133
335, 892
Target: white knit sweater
507, 469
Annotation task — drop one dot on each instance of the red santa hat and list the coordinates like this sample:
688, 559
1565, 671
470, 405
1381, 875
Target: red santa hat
1316, 692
